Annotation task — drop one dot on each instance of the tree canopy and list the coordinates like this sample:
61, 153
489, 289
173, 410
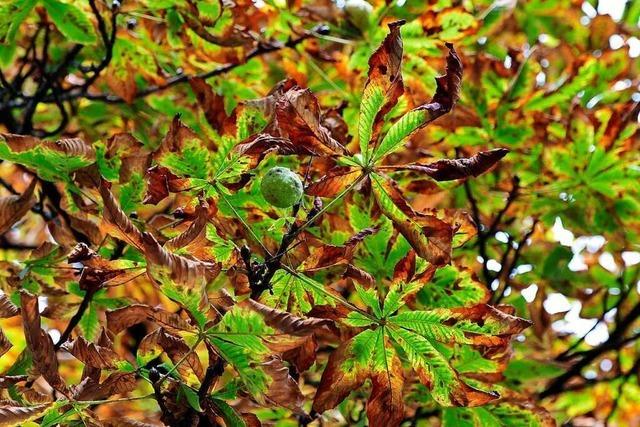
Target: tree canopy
319, 212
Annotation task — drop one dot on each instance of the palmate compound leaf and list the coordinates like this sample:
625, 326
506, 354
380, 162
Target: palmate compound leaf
418, 336
447, 94
246, 343
52, 161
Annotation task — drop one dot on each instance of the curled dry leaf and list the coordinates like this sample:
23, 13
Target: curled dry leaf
5, 344
7, 308
298, 118
161, 182
194, 230
384, 78
211, 103
334, 182
287, 322
329, 255
39, 342
115, 383
11, 415
13, 208
121, 318
451, 169
116, 222
283, 390
92, 354
183, 271
176, 348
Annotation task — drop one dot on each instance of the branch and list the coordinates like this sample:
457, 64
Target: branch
558, 385
261, 49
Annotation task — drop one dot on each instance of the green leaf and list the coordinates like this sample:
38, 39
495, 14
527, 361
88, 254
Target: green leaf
228, 414
71, 21
191, 396
397, 133
452, 287
12, 14
52, 162
372, 101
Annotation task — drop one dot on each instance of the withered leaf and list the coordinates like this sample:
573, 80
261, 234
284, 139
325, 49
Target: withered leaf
14, 207
298, 117
7, 308
117, 222
181, 270
211, 103
11, 415
334, 182
176, 348
330, 255
161, 182
92, 354
39, 342
5, 344
385, 77
283, 390
287, 322
194, 230
121, 318
451, 169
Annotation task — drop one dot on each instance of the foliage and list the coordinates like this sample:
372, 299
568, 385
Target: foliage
465, 251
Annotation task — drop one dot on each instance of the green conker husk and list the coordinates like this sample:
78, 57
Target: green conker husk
281, 187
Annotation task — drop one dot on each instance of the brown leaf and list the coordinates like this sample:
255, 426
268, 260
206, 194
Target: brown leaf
329, 255
385, 406
405, 269
14, 207
287, 322
173, 142
7, 308
194, 230
39, 342
176, 348
210, 102
70, 147
303, 356
92, 354
11, 415
385, 72
8, 380
334, 182
283, 390
450, 169
298, 118
115, 383
161, 182
359, 276
336, 383
133, 155
121, 318
117, 222
181, 270
5, 344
